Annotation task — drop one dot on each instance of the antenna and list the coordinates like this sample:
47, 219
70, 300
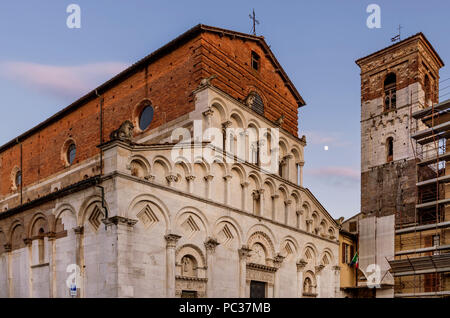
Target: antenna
398, 36
255, 22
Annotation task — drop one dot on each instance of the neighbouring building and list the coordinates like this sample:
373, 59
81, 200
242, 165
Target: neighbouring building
402, 178
114, 195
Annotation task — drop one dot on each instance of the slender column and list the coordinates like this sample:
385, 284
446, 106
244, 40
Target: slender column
208, 179
52, 264
337, 280
29, 246
8, 249
210, 246
208, 113
277, 262
244, 195
301, 164
261, 202
287, 204
274, 205
190, 181
225, 125
255, 196
244, 253
300, 267
299, 218
171, 240
286, 160
79, 259
318, 286
227, 198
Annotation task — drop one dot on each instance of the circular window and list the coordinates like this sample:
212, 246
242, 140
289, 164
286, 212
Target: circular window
18, 178
146, 117
71, 153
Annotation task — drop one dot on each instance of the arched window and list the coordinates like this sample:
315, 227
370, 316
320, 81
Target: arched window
255, 102
71, 153
307, 286
390, 95
18, 179
146, 117
389, 149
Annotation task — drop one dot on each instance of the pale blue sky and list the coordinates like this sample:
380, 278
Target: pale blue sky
316, 42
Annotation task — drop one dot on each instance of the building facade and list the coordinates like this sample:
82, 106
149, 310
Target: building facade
397, 83
179, 177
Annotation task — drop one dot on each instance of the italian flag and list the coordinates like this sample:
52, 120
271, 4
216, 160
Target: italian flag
354, 260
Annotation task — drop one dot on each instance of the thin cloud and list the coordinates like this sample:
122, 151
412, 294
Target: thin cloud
62, 81
336, 175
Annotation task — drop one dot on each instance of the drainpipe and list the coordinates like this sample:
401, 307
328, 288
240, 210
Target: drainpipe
102, 189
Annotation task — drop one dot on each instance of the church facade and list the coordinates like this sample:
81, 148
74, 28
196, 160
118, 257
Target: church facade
179, 177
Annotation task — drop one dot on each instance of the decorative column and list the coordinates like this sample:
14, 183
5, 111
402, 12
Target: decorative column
208, 179
337, 280
286, 160
29, 246
8, 249
300, 267
299, 220
277, 261
244, 186
274, 205
244, 253
208, 113
255, 196
261, 202
210, 246
79, 259
287, 204
318, 273
52, 263
225, 125
171, 240
301, 164
190, 182
227, 198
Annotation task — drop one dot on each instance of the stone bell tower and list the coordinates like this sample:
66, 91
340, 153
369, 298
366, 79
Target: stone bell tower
395, 82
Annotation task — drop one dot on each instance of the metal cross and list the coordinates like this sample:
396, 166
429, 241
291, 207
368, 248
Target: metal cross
255, 22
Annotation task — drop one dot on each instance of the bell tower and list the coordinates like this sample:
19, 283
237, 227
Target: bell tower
395, 82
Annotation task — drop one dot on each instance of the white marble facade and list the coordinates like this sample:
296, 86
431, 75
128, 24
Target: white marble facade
187, 228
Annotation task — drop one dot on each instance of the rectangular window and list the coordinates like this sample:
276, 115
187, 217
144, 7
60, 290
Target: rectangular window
255, 61
436, 242
344, 253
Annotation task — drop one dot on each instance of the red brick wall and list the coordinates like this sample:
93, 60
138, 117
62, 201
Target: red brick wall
168, 82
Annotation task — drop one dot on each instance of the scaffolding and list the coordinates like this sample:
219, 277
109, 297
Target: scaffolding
421, 265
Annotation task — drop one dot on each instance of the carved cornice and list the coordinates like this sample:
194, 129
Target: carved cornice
262, 267
301, 264
172, 178
171, 240
211, 244
119, 220
208, 112
190, 178
319, 268
79, 229
188, 278
244, 252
